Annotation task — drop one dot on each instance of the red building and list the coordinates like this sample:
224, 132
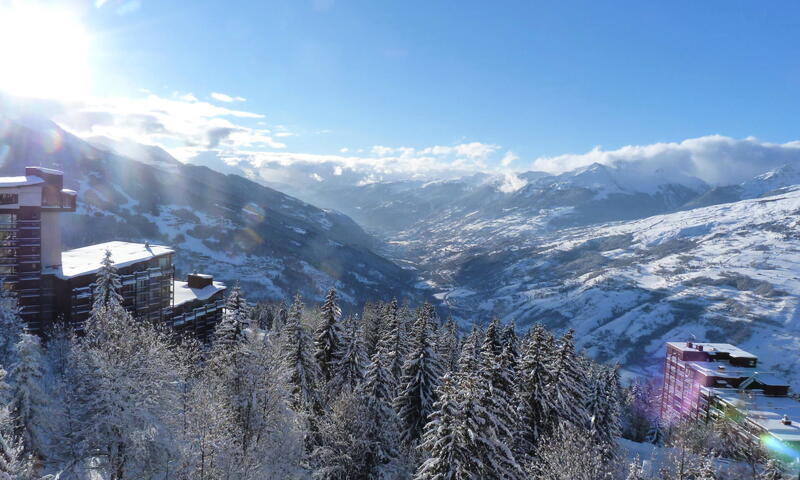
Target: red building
713, 380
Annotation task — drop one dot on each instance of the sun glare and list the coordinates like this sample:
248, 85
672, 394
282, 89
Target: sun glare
44, 52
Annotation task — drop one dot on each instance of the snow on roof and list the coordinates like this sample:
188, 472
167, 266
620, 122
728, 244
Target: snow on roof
49, 170
87, 260
766, 411
733, 350
184, 294
68, 191
727, 371
21, 181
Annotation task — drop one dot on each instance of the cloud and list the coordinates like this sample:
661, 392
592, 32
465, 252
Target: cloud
715, 159
180, 124
221, 97
508, 159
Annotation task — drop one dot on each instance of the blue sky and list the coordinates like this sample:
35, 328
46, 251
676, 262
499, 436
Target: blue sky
513, 80
538, 78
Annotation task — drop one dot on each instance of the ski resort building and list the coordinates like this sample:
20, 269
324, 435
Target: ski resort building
54, 285
713, 380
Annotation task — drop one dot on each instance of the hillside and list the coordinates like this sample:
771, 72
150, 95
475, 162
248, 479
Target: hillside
272, 243
727, 272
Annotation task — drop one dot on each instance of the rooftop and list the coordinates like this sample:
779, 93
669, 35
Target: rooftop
20, 181
87, 260
713, 369
766, 411
733, 350
184, 294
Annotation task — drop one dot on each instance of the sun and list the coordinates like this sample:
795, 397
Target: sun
44, 52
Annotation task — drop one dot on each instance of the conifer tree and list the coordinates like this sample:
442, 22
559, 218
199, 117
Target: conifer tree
636, 471
772, 471
534, 407
421, 372
393, 346
31, 404
383, 427
469, 358
498, 389
448, 345
511, 341
447, 443
567, 387
107, 286
602, 406
348, 371
230, 331
11, 327
297, 353
492, 338
327, 341
13, 464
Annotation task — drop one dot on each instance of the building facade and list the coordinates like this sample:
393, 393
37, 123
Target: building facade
708, 381
53, 285
30, 238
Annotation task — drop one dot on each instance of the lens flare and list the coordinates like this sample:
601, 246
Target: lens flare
52, 141
780, 449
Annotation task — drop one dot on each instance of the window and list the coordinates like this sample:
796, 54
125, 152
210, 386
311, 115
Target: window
163, 262
9, 198
8, 220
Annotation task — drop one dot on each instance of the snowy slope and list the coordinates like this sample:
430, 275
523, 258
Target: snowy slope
274, 244
727, 273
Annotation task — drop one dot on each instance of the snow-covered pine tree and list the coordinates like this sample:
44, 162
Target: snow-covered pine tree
447, 443
511, 341
372, 324
707, 470
636, 471
281, 316
567, 386
269, 440
348, 371
383, 427
107, 286
125, 380
498, 389
298, 358
11, 327
448, 345
571, 454
327, 341
492, 338
469, 358
602, 405
772, 471
31, 403
392, 345
534, 407
421, 372
13, 464
230, 331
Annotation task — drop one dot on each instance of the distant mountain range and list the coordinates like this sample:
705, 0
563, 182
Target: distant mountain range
629, 258
273, 244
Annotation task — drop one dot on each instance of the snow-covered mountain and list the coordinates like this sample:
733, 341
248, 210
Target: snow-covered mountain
274, 244
727, 272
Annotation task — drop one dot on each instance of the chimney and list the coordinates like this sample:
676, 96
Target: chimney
786, 420
699, 348
689, 344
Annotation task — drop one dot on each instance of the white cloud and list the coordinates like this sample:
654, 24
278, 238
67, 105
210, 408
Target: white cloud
715, 159
508, 159
221, 97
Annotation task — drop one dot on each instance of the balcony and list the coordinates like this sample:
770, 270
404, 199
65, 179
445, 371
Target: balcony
65, 201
